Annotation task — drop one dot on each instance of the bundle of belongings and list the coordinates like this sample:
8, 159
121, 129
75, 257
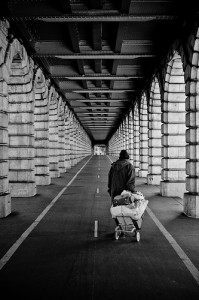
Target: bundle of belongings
129, 204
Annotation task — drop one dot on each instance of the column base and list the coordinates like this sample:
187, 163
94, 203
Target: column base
54, 173
42, 179
136, 171
172, 189
62, 169
191, 205
153, 179
22, 189
5, 205
68, 164
142, 173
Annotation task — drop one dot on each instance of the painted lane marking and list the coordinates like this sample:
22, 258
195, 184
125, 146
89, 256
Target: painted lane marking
96, 228
97, 190
24, 235
98, 176
185, 259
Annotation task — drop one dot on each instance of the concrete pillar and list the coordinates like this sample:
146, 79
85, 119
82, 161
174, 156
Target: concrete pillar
136, 141
53, 136
72, 154
61, 136
155, 147
191, 197
173, 130
126, 127
5, 199
143, 138
21, 128
131, 147
67, 138
41, 131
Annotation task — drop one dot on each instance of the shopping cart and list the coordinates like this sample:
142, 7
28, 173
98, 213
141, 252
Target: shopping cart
128, 226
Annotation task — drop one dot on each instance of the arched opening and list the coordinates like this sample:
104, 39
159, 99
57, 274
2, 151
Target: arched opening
173, 130
155, 147
143, 167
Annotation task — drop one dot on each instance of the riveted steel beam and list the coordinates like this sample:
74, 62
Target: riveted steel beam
97, 77
99, 55
95, 18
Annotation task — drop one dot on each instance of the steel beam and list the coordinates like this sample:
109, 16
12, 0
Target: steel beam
97, 91
94, 18
100, 55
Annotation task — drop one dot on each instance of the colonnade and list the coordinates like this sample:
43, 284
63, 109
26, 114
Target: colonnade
164, 126
40, 137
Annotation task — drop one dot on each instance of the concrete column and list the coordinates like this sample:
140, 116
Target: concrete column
173, 130
41, 130
5, 199
61, 137
126, 132
71, 128
53, 136
21, 130
131, 147
191, 197
136, 141
67, 138
155, 147
143, 138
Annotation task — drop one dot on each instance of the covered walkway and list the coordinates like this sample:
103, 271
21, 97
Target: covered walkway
49, 249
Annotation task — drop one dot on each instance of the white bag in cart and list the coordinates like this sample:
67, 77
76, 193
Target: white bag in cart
126, 210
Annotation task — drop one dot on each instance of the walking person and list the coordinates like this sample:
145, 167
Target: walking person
121, 175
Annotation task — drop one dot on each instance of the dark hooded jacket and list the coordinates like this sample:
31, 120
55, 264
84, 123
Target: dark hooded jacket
121, 177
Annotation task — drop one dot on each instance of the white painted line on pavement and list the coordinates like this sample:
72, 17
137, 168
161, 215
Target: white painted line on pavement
98, 176
96, 228
185, 259
21, 239
97, 190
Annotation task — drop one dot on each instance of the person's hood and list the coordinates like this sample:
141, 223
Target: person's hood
120, 164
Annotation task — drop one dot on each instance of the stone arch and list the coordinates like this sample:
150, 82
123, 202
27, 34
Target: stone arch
41, 126
155, 147
143, 166
173, 130
21, 121
191, 198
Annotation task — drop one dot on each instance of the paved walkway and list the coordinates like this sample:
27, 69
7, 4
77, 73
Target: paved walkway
49, 248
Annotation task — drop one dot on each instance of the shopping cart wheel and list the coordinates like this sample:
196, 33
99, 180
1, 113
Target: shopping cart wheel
137, 236
117, 233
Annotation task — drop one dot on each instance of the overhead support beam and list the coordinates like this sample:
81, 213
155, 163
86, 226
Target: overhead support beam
99, 55
96, 77
95, 118
97, 91
84, 17
98, 113
97, 100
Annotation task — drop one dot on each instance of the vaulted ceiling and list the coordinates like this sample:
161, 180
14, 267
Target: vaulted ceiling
98, 53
